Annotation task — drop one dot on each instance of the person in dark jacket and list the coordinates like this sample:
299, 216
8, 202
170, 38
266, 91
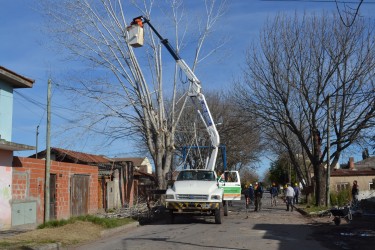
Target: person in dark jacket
246, 192
258, 193
296, 193
274, 193
355, 191
251, 194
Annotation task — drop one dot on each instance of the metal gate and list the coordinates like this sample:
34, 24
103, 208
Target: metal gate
79, 195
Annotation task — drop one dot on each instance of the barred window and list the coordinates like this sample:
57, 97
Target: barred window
340, 186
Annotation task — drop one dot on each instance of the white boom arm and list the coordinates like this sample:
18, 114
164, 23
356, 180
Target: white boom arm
194, 93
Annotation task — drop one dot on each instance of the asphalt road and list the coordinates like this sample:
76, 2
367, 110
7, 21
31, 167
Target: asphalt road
271, 228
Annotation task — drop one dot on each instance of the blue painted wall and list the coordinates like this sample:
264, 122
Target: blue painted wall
6, 110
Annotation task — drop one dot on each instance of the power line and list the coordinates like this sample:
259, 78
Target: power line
43, 107
320, 1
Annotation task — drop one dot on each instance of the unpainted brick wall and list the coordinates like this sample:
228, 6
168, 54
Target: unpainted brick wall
28, 184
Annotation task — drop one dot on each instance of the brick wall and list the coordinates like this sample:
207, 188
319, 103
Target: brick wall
28, 184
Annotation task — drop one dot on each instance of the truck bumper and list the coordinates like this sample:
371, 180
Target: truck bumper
191, 207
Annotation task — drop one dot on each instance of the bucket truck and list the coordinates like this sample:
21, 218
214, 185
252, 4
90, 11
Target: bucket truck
195, 191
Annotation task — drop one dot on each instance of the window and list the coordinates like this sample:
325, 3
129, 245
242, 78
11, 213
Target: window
371, 185
231, 176
340, 186
196, 175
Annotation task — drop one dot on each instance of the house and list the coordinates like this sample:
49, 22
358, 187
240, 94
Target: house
119, 181
9, 81
362, 171
141, 164
22, 180
142, 179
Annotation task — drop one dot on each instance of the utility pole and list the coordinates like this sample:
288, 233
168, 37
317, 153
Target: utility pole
328, 175
48, 156
36, 143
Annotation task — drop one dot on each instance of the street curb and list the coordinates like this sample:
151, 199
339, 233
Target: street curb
49, 246
301, 211
119, 229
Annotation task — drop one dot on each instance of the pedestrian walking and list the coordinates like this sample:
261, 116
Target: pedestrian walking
258, 192
296, 193
251, 194
247, 196
289, 194
274, 194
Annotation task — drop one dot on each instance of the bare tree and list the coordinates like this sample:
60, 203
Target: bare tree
301, 62
238, 134
283, 142
123, 99
248, 176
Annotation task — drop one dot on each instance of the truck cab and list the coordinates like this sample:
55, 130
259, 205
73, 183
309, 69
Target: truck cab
195, 192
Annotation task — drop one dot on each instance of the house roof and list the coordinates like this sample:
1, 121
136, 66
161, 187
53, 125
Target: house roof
137, 161
83, 157
141, 173
105, 164
366, 163
74, 156
11, 146
15, 79
354, 172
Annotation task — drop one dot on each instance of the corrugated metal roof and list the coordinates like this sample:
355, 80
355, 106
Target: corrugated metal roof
82, 157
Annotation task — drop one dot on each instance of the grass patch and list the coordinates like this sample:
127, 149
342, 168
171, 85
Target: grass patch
104, 222
67, 232
314, 209
5, 244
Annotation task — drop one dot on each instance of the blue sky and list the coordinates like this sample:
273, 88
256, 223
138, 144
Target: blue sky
26, 49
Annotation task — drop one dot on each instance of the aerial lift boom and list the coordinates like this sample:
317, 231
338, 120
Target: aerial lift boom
194, 92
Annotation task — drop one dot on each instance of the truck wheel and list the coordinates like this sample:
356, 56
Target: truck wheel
337, 220
171, 217
218, 215
225, 208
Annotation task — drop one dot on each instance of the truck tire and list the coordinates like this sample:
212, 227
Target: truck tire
337, 220
226, 208
171, 217
218, 215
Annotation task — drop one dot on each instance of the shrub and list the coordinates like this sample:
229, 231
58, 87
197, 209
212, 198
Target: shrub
340, 198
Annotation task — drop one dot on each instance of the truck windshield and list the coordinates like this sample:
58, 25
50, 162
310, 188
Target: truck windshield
196, 175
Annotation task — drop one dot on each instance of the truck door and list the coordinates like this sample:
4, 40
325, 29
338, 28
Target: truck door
231, 183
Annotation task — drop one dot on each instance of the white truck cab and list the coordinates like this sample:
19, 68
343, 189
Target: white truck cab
196, 192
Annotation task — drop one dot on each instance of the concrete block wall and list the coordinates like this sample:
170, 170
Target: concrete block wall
28, 184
